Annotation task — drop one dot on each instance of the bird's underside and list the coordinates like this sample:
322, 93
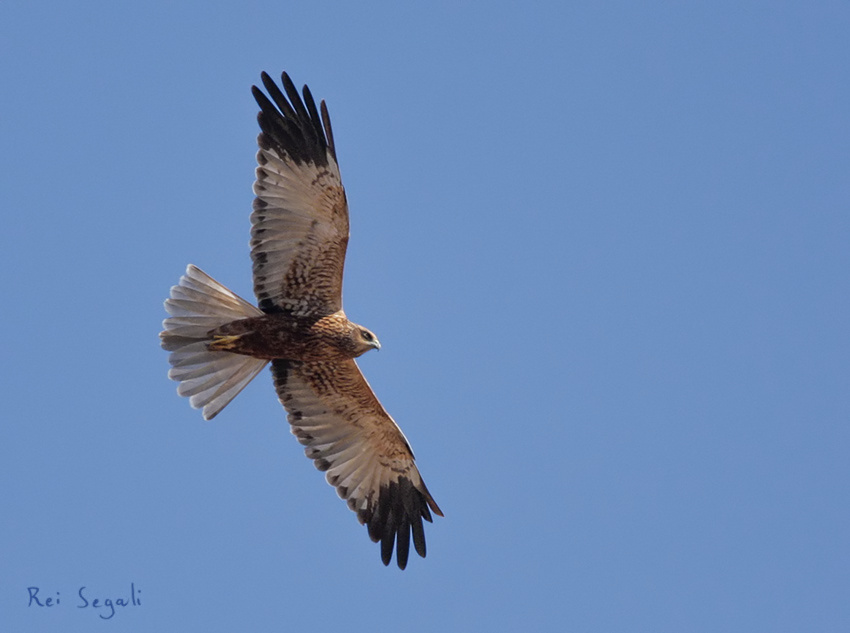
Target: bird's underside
219, 342
282, 336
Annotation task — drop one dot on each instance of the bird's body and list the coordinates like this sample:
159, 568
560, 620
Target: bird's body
277, 335
219, 342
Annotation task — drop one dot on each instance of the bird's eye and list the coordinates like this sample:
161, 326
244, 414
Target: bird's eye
367, 336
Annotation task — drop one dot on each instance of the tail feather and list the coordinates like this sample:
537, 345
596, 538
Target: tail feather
193, 327
211, 379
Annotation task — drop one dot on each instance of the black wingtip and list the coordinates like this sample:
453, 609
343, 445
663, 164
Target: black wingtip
292, 125
397, 517
387, 548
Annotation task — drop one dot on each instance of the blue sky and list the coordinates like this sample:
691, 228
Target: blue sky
604, 246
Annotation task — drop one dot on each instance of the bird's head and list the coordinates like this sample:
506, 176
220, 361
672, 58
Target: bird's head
365, 340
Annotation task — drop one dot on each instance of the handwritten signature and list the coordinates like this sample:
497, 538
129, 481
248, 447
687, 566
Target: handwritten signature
105, 607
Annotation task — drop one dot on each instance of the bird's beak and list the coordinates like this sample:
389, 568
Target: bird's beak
376, 344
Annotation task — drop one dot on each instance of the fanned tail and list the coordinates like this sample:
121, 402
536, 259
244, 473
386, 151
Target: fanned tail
211, 379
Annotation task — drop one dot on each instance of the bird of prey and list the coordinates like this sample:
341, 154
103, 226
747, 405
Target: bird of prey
219, 342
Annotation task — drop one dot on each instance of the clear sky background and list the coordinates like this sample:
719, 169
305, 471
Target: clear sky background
606, 247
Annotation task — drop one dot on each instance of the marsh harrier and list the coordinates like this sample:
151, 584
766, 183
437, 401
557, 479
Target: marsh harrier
219, 342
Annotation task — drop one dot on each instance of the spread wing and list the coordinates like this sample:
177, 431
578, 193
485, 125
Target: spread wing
348, 434
300, 221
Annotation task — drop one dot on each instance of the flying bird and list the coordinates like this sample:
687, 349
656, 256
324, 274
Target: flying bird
219, 342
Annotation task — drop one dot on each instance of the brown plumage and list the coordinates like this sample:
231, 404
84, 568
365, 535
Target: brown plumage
280, 335
219, 342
